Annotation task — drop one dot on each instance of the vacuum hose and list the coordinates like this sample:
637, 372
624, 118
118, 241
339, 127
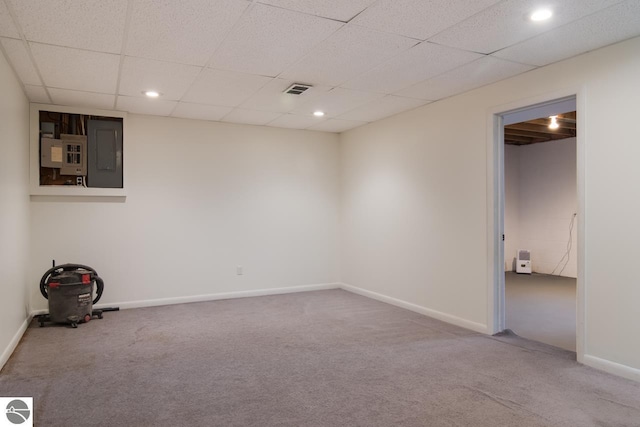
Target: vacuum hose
71, 267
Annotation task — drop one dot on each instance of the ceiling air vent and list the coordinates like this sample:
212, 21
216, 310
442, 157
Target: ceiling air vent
297, 89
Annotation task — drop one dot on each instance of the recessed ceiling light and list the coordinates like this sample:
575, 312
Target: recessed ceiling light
541, 15
151, 93
318, 113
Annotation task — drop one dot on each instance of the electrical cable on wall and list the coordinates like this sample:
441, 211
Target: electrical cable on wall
567, 255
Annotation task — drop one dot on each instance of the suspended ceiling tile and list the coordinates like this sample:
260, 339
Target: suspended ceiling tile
295, 121
156, 107
336, 125
339, 10
419, 63
272, 97
381, 108
611, 25
76, 69
37, 94
506, 24
7, 27
482, 72
337, 101
419, 19
75, 98
170, 79
89, 24
268, 39
19, 57
187, 32
200, 111
250, 117
348, 52
224, 88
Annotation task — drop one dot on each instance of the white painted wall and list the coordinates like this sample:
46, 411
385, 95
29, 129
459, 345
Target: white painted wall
14, 209
202, 198
511, 205
415, 199
540, 200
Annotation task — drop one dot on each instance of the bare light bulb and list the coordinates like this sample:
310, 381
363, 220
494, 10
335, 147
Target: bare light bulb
541, 15
554, 122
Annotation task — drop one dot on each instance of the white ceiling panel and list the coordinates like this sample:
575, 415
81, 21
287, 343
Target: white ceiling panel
89, 24
156, 107
618, 22
82, 99
272, 98
76, 69
347, 53
200, 111
419, 19
7, 27
339, 10
336, 125
295, 121
337, 101
506, 24
384, 107
262, 44
170, 79
19, 57
419, 63
482, 72
37, 94
187, 32
224, 88
250, 117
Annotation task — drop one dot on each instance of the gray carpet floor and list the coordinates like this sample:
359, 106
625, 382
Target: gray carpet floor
542, 307
326, 358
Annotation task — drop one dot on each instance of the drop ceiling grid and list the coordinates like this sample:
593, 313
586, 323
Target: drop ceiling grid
186, 32
83, 70
419, 63
271, 97
618, 22
506, 24
139, 74
90, 24
381, 108
200, 111
481, 72
419, 19
18, 56
230, 60
82, 99
224, 88
350, 51
339, 10
262, 43
7, 26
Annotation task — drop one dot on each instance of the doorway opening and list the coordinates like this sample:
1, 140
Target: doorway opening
540, 210
536, 205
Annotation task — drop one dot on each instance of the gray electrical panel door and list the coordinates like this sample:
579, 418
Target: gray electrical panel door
104, 154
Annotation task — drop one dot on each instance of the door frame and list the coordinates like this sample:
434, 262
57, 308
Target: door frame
495, 208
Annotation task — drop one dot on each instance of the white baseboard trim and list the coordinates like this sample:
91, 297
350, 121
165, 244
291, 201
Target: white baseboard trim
211, 297
6, 354
612, 367
458, 321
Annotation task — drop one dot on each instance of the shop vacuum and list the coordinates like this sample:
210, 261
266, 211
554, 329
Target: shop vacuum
69, 289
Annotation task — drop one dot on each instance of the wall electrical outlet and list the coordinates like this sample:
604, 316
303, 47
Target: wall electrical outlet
239, 270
